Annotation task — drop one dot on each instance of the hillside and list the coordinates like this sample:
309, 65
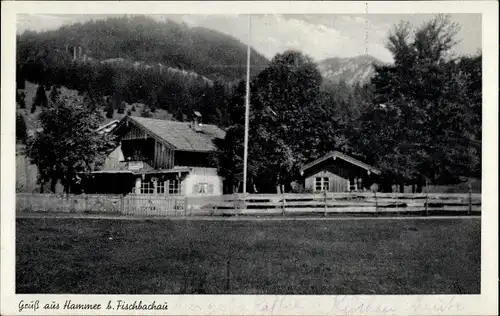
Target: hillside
353, 70
143, 40
31, 118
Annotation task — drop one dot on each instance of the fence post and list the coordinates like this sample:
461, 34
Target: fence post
426, 197
376, 202
326, 205
185, 205
121, 204
283, 205
470, 198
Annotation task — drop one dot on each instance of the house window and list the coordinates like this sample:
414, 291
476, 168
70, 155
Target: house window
173, 186
160, 187
203, 188
147, 187
322, 184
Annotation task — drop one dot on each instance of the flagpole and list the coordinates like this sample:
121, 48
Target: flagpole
247, 107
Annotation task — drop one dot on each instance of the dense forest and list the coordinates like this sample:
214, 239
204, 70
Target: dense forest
138, 60
418, 119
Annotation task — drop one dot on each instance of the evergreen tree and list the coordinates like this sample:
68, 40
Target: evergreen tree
146, 112
121, 108
40, 98
110, 111
178, 115
54, 94
20, 99
21, 133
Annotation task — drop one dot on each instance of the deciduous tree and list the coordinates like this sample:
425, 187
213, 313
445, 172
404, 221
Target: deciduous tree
67, 142
426, 107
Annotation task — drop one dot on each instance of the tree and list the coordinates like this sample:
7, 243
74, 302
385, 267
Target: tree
67, 143
178, 115
283, 97
414, 130
146, 112
110, 110
121, 107
54, 94
21, 133
228, 158
40, 98
20, 99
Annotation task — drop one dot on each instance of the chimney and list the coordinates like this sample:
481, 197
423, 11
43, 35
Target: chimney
197, 122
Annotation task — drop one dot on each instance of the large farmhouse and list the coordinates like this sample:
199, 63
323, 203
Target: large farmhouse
159, 157
338, 172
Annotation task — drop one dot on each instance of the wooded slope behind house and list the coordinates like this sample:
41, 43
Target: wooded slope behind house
142, 39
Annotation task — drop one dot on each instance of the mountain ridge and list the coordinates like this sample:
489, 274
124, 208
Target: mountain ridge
351, 70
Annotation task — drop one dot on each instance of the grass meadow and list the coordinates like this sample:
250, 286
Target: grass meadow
379, 256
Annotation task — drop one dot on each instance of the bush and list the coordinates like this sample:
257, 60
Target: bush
299, 188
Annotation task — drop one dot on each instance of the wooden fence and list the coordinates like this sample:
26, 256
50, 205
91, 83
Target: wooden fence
327, 204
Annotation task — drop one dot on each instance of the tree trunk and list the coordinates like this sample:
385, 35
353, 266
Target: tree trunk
419, 187
53, 183
401, 188
41, 187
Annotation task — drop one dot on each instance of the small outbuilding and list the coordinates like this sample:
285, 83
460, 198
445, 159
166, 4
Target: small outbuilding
338, 172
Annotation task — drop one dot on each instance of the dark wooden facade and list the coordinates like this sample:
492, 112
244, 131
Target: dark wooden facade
156, 153
339, 175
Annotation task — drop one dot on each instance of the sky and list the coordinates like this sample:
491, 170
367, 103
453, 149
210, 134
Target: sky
318, 35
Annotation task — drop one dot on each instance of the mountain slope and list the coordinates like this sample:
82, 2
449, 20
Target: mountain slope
139, 38
353, 70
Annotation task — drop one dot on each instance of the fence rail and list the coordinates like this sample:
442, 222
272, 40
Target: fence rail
255, 204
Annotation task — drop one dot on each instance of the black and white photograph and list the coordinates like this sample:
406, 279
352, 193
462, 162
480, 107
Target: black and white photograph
249, 154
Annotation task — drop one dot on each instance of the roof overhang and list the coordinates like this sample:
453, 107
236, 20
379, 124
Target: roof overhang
138, 172
130, 120
338, 155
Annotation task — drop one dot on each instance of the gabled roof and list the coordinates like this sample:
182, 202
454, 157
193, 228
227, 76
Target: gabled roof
180, 135
336, 154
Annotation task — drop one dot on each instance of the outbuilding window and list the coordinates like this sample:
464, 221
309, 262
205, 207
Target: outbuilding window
322, 184
355, 184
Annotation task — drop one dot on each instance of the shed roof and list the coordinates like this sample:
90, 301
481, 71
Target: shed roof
336, 154
180, 134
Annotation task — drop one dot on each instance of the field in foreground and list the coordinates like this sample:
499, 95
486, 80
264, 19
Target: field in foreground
92, 256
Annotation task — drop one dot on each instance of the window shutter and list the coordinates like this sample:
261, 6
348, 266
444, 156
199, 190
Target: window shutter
210, 188
196, 188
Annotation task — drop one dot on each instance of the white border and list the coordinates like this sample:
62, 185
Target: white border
484, 304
